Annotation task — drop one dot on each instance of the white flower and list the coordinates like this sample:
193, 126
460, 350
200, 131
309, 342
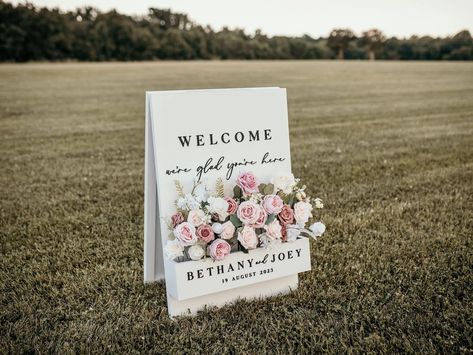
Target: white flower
293, 232
173, 249
196, 252
217, 228
201, 193
187, 203
318, 203
219, 206
268, 242
197, 217
318, 228
284, 182
302, 212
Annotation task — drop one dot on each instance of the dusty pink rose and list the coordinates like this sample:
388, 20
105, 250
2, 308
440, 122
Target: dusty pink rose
248, 238
232, 205
185, 233
286, 216
273, 204
248, 212
219, 249
247, 182
176, 218
273, 230
205, 233
228, 230
261, 219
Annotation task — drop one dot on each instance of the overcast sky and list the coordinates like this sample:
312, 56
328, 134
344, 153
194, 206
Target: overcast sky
400, 18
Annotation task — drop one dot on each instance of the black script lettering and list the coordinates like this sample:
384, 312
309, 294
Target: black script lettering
208, 166
263, 261
178, 170
267, 160
231, 166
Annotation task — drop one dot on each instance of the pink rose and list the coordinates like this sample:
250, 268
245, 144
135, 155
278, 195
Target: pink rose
232, 205
219, 249
247, 182
273, 230
185, 233
261, 219
248, 238
272, 204
286, 216
177, 218
205, 233
228, 230
248, 212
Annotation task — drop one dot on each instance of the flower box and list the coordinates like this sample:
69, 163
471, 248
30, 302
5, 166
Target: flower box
191, 279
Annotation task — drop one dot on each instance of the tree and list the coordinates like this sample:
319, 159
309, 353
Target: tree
373, 40
339, 39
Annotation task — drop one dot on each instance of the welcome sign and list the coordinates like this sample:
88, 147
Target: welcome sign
208, 138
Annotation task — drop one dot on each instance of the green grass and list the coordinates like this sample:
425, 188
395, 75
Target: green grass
388, 146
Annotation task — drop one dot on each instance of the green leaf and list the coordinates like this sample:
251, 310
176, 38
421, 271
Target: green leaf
269, 189
270, 218
261, 188
235, 221
237, 193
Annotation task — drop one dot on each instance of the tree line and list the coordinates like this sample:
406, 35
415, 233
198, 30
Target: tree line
29, 33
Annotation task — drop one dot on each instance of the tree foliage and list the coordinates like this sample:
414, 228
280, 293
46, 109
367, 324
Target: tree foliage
29, 33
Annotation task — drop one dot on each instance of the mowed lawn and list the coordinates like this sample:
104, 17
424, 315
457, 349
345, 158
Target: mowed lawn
387, 145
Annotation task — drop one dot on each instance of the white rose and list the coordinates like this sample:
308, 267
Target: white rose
284, 182
187, 203
302, 212
200, 193
273, 230
228, 229
219, 206
293, 232
217, 228
196, 252
268, 242
248, 238
318, 228
196, 217
173, 249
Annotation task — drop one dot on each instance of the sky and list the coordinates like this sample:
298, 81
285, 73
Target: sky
400, 18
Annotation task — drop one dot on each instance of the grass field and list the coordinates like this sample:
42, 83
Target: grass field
387, 145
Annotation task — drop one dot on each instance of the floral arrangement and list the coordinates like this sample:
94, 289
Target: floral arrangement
258, 215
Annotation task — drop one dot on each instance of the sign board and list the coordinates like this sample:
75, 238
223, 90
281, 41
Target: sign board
205, 135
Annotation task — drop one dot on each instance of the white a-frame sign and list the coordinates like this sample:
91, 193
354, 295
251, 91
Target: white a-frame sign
211, 134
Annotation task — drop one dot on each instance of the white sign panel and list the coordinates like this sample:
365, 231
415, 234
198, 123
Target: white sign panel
203, 135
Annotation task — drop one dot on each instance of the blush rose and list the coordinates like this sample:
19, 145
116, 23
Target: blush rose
248, 212
219, 249
248, 238
273, 204
185, 233
247, 182
232, 205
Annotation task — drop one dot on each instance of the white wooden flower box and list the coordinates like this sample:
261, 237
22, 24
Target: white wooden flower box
191, 279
